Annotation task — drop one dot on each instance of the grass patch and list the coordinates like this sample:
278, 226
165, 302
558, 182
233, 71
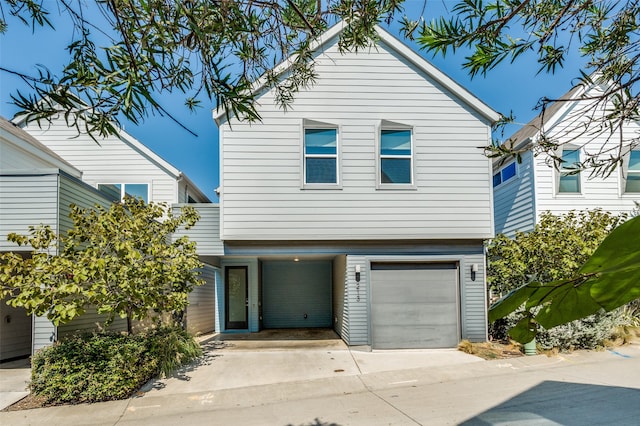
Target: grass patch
491, 350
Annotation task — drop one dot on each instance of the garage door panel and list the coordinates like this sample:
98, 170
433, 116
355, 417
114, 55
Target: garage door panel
419, 337
296, 294
401, 286
414, 314
414, 306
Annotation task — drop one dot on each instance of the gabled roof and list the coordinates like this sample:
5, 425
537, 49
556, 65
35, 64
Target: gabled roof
28, 143
422, 64
143, 150
528, 132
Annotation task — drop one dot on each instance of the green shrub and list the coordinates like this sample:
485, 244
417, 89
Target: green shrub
553, 250
101, 367
588, 333
172, 348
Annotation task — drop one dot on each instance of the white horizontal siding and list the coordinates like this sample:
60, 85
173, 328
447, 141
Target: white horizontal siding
201, 309
108, 160
73, 191
514, 205
27, 200
44, 332
596, 192
91, 321
356, 303
473, 301
206, 232
261, 162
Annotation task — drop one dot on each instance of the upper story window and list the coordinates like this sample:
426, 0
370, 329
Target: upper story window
633, 172
320, 156
118, 191
569, 179
506, 173
396, 157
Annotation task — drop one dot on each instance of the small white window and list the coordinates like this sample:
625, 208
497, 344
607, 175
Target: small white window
632, 183
396, 157
505, 174
569, 176
118, 191
320, 156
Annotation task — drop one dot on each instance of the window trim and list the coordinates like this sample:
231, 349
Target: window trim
388, 125
122, 188
503, 182
313, 124
561, 169
626, 172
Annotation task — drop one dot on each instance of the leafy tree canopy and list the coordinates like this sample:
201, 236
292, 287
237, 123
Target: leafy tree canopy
120, 260
198, 47
608, 279
605, 32
555, 249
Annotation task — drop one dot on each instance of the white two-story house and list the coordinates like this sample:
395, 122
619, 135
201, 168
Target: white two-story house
523, 190
107, 170
362, 208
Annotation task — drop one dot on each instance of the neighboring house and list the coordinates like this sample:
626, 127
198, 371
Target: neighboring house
363, 207
111, 168
523, 190
36, 187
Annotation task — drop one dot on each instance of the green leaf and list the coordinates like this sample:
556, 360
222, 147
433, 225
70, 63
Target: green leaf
524, 331
511, 302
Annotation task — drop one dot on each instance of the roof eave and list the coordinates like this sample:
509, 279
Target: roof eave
220, 116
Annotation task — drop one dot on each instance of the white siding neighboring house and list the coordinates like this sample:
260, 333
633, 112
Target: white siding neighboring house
107, 169
117, 160
522, 191
36, 187
363, 207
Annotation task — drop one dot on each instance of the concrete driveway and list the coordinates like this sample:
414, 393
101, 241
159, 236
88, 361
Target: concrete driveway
581, 388
235, 361
281, 356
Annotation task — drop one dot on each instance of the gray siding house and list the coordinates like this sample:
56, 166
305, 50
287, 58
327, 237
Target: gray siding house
523, 190
362, 208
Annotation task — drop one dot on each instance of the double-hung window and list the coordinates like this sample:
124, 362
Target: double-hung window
118, 191
395, 157
505, 174
632, 183
320, 156
569, 176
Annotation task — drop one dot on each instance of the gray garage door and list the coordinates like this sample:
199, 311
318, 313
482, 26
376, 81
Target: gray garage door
296, 294
414, 305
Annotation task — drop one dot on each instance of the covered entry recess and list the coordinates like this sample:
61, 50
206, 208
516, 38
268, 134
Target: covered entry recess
296, 294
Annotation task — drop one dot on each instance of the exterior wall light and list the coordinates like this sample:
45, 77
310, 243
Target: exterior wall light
474, 271
357, 273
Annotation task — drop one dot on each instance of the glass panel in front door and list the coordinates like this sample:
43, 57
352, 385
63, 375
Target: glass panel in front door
237, 297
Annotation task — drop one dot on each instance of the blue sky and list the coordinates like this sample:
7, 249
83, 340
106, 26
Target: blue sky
509, 87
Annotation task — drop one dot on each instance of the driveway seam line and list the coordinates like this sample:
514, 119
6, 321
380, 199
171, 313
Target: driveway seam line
387, 402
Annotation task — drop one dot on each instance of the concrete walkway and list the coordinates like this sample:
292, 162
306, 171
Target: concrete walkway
306, 383
14, 379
